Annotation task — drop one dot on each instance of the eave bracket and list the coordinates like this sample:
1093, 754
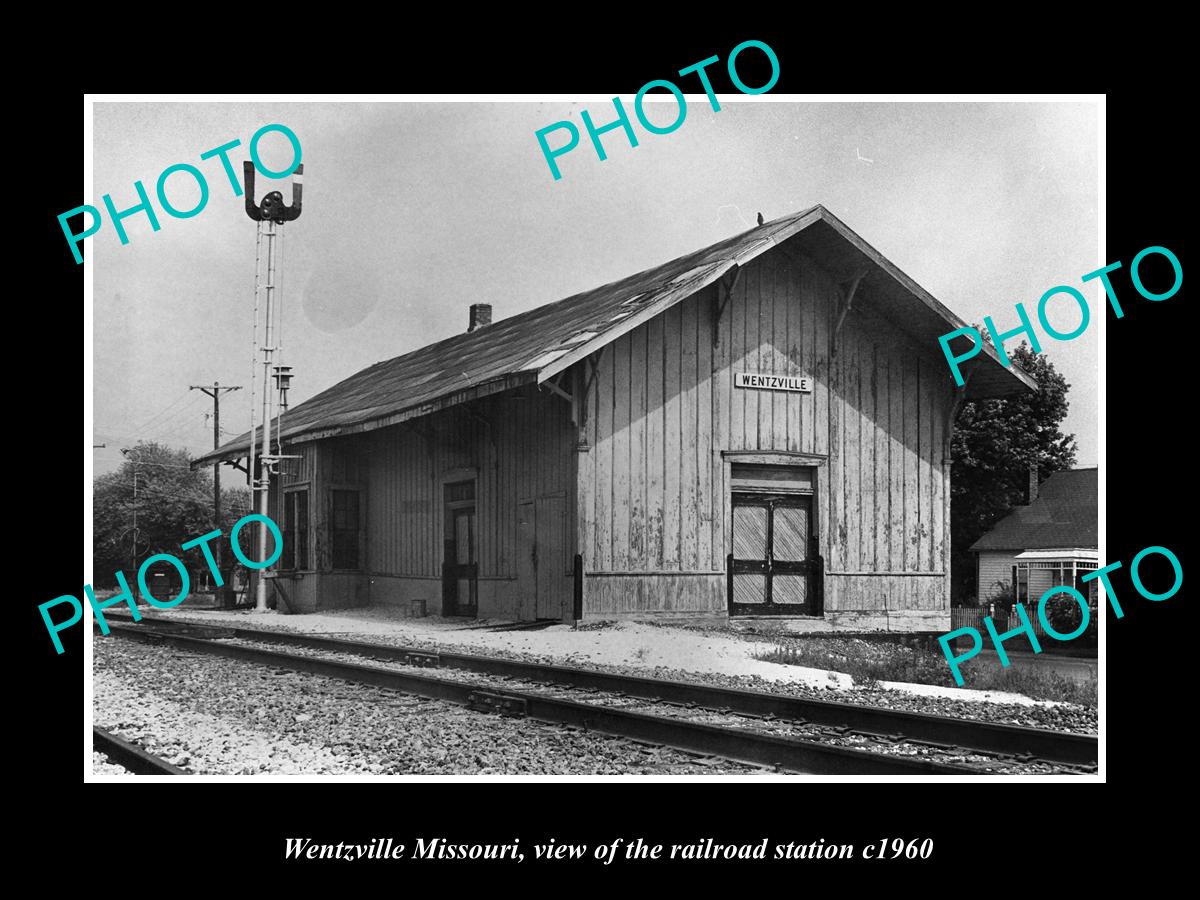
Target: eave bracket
725, 288
848, 294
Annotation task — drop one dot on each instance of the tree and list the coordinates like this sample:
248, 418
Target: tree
995, 442
173, 505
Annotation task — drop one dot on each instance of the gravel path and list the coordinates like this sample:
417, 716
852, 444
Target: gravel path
219, 716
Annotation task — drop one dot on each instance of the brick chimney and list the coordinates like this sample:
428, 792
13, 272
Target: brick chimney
1031, 492
481, 315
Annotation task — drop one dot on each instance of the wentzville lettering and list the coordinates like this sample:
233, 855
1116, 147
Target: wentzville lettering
435, 848
772, 382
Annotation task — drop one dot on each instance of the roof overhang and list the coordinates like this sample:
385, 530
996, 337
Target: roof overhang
240, 446
1077, 554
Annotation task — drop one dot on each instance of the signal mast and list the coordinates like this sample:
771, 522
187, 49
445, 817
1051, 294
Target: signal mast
270, 215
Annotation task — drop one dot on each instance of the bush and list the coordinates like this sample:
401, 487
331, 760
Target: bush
1063, 614
1000, 594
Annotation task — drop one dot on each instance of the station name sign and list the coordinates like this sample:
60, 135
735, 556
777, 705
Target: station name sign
772, 382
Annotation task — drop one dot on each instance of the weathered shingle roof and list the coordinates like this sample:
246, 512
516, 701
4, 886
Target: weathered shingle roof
1065, 515
536, 345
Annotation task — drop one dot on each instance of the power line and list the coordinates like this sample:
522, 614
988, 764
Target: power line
138, 432
146, 422
138, 462
172, 422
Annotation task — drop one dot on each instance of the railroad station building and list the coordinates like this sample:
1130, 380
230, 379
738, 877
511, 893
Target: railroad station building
759, 428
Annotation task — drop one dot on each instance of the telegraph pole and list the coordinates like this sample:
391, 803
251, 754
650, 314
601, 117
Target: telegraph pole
214, 391
126, 451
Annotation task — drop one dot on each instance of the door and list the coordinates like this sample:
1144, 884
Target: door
460, 568
527, 560
770, 565
551, 557
542, 583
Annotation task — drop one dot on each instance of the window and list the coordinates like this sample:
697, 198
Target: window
295, 530
460, 490
343, 529
1021, 584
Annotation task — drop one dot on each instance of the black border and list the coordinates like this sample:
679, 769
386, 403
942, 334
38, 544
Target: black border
1146, 475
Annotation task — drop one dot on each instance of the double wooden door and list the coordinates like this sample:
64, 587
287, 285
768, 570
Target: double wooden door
772, 564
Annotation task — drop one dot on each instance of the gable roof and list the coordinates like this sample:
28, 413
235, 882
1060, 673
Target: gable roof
536, 345
1065, 515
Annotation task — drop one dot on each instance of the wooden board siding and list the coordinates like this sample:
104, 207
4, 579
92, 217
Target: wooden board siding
995, 565
517, 446
687, 593
665, 409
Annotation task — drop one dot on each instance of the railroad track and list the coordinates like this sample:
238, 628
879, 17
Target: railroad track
763, 720
133, 757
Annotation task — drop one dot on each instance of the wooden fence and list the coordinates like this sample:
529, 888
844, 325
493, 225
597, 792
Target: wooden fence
1005, 618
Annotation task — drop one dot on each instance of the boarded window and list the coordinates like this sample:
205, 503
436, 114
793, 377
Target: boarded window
343, 529
755, 477
460, 490
295, 530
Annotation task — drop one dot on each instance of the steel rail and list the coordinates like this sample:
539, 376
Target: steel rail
130, 755
898, 724
740, 745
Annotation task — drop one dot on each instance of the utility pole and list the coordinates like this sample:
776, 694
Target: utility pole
125, 451
133, 548
215, 392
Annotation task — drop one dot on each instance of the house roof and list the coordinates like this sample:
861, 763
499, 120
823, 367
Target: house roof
1065, 515
536, 345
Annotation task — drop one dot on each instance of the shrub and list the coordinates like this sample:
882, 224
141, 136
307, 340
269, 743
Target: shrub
1063, 614
1000, 594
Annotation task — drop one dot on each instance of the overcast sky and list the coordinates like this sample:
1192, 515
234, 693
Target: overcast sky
413, 211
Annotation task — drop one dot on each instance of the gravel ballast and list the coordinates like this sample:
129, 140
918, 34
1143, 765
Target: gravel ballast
102, 765
433, 634
219, 716
986, 763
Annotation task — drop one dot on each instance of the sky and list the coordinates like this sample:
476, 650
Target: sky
413, 211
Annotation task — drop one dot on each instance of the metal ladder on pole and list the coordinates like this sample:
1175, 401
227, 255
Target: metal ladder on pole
270, 216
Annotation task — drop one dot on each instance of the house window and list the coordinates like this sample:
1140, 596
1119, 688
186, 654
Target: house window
295, 530
1021, 584
343, 529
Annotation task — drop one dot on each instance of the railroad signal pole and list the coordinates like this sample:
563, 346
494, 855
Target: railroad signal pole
270, 215
214, 391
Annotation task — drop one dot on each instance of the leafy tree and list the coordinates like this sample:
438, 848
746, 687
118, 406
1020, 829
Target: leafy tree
995, 442
173, 504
